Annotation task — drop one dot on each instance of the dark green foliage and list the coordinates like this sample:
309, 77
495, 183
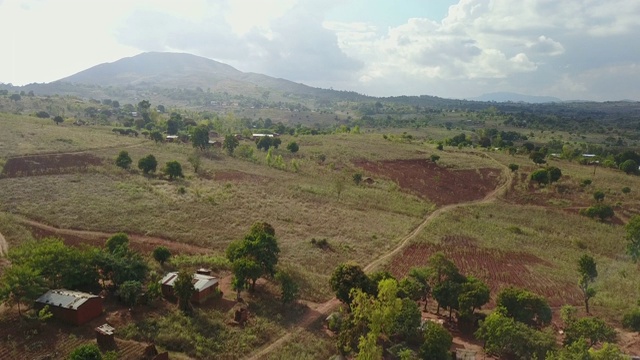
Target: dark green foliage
244, 270
293, 147
357, 178
633, 237
275, 142
589, 328
374, 280
289, 289
598, 195
629, 167
588, 273
174, 124
524, 306
183, 290
631, 320
600, 211
440, 147
200, 137
346, 277
173, 169
148, 164
123, 160
264, 143
437, 342
473, 295
58, 119
626, 190
156, 136
537, 157
129, 292
42, 114
541, 176
505, 337
447, 293
117, 241
230, 144
86, 352
514, 167
554, 174
161, 254
15, 97
120, 264
406, 323
434, 158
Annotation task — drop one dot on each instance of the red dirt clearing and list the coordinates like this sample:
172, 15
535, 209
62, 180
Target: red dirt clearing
34, 165
497, 268
436, 183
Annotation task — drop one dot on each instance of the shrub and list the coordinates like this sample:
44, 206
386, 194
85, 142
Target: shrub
161, 254
598, 195
123, 160
357, 178
86, 352
293, 147
514, 167
173, 169
626, 190
148, 164
600, 210
631, 320
585, 182
434, 158
629, 167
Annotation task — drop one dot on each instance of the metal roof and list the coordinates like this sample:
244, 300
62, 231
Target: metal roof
65, 298
200, 282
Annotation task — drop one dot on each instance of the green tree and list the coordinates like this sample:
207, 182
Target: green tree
275, 142
554, 174
20, 284
174, 124
537, 157
437, 342
156, 136
524, 306
244, 269
422, 276
473, 295
629, 166
289, 289
406, 324
86, 352
123, 160
183, 289
148, 164
195, 161
592, 329
43, 115
348, 276
441, 270
58, 119
121, 265
434, 158
129, 292
200, 137
588, 273
514, 167
541, 176
293, 147
506, 337
116, 242
15, 97
264, 143
173, 169
602, 211
230, 143
633, 237
161, 254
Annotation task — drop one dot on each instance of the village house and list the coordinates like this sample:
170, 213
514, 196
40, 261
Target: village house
73, 307
205, 285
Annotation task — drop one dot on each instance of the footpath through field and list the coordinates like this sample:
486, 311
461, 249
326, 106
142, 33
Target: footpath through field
330, 306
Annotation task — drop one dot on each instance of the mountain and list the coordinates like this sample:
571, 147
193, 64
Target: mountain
513, 97
180, 71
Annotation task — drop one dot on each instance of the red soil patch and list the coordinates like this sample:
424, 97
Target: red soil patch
497, 268
35, 165
436, 183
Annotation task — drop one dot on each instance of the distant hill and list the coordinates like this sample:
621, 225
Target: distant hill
513, 97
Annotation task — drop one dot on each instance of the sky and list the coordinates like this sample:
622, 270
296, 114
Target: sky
570, 49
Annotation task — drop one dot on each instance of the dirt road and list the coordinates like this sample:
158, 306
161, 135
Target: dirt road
330, 306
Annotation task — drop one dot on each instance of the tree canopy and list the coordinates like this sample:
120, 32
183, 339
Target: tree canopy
346, 277
524, 306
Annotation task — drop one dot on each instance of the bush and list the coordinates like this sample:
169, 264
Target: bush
293, 147
514, 167
434, 158
123, 160
161, 254
173, 169
600, 210
631, 320
629, 167
540, 176
86, 352
598, 195
585, 182
42, 114
357, 178
148, 164
626, 190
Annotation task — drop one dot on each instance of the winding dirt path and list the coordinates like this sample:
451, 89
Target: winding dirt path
141, 242
329, 306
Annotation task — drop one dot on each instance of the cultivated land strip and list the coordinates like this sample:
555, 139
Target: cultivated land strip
328, 307
4, 248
